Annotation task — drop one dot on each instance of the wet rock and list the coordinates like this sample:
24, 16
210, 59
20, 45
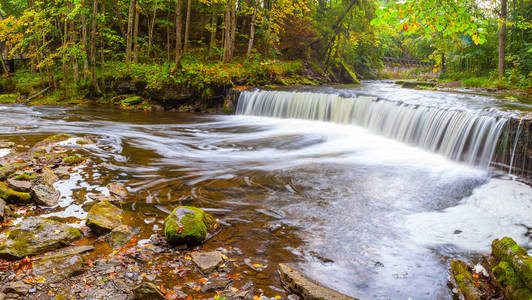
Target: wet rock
12, 196
10, 168
6, 145
62, 172
17, 287
38, 235
207, 261
464, 281
188, 225
119, 236
148, 291
51, 140
49, 177
24, 176
73, 160
58, 267
117, 189
215, 284
19, 185
45, 195
306, 288
104, 217
2, 210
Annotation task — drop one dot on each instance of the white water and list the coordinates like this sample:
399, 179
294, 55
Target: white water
459, 135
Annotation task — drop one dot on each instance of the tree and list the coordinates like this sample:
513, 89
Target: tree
502, 36
129, 37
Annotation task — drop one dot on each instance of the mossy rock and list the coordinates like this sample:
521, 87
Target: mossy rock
508, 251
56, 138
24, 176
8, 170
104, 217
129, 101
38, 235
73, 160
188, 225
12, 196
464, 280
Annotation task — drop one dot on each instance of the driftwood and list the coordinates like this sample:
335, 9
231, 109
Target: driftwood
37, 94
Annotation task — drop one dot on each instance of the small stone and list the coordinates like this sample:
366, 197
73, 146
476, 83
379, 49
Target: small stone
117, 189
45, 195
119, 236
19, 185
58, 268
49, 177
104, 217
215, 284
207, 261
17, 287
148, 291
62, 172
306, 288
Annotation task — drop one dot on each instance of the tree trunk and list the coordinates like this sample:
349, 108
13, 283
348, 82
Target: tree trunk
252, 29
119, 16
187, 26
212, 41
129, 37
168, 46
73, 57
84, 44
151, 28
102, 50
227, 32
233, 28
94, 78
502, 36
64, 58
135, 37
178, 29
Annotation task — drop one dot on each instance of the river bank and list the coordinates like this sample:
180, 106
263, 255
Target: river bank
194, 86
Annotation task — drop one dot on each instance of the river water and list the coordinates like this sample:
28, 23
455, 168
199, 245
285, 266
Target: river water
364, 214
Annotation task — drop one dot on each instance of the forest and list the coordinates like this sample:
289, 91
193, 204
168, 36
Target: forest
85, 48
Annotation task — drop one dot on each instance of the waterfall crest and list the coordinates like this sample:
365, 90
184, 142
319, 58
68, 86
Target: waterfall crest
459, 135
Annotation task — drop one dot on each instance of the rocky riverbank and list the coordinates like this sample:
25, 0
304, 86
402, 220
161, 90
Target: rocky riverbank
101, 256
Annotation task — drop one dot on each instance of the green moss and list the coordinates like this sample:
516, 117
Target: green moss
187, 225
505, 274
24, 176
13, 196
57, 138
103, 217
129, 101
464, 280
73, 160
9, 98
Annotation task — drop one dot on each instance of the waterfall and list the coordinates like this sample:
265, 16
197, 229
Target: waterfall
459, 135
515, 146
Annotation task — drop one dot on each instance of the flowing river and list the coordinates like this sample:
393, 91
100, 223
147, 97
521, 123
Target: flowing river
354, 195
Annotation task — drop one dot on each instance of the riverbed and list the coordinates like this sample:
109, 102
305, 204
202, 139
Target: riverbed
358, 212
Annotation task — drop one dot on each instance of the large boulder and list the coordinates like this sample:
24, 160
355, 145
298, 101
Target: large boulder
104, 217
188, 225
58, 267
38, 235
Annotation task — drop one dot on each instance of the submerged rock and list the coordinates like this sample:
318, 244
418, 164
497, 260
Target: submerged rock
104, 217
38, 235
306, 288
12, 196
17, 287
119, 236
188, 225
207, 261
117, 189
148, 291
